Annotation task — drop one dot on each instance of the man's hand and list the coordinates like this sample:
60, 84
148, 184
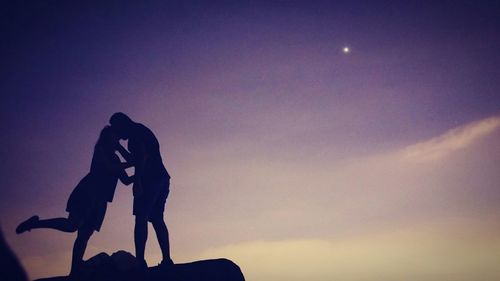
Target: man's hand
137, 189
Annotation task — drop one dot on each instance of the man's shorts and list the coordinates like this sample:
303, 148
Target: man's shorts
151, 203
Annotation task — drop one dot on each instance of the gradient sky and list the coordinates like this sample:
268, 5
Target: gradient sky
293, 159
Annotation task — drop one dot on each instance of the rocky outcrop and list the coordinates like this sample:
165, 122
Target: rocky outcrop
122, 266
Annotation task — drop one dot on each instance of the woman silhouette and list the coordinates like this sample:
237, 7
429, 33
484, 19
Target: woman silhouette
88, 201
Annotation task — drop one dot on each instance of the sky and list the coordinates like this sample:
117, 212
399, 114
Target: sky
292, 158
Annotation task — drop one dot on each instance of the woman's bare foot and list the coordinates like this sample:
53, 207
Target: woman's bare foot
27, 225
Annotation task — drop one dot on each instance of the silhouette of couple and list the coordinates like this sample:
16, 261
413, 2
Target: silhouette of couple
88, 201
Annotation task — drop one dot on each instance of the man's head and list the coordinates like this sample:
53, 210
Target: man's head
121, 124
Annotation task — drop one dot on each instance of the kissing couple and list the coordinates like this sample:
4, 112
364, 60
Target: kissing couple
87, 203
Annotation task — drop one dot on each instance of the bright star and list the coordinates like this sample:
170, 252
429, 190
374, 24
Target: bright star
346, 50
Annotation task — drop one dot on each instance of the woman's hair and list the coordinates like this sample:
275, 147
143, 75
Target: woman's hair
105, 137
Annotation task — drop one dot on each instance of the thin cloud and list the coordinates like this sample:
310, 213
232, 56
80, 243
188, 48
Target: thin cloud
452, 140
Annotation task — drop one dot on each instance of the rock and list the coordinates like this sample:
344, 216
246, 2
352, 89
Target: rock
123, 261
122, 266
204, 270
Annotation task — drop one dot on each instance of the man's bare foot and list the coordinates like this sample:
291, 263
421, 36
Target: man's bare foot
166, 263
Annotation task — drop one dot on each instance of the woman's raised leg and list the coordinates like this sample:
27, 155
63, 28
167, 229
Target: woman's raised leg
62, 224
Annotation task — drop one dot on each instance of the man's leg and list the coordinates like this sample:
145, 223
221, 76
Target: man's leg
162, 235
159, 223
140, 236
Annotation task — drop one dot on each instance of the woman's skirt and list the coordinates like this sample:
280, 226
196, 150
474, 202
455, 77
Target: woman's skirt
85, 206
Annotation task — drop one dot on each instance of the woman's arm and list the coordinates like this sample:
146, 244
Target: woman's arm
125, 154
125, 178
112, 163
116, 167
125, 165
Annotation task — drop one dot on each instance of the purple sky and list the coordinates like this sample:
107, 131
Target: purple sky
279, 144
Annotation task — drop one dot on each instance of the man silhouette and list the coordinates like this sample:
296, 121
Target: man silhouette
151, 186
